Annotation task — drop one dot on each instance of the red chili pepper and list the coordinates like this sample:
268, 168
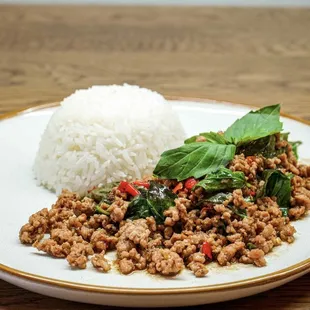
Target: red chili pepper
128, 188
122, 186
178, 187
142, 183
206, 249
190, 183
252, 193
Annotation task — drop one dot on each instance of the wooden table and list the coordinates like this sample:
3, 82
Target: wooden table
251, 56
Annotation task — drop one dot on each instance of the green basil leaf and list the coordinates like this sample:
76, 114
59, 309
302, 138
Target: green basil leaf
223, 179
138, 208
101, 194
264, 146
193, 160
277, 184
251, 246
284, 136
255, 125
238, 211
212, 137
218, 198
99, 210
152, 202
295, 145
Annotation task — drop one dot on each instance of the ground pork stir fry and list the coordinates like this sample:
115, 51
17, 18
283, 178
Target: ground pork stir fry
194, 232
235, 214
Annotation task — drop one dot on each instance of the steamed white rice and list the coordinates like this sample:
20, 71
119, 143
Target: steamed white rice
105, 134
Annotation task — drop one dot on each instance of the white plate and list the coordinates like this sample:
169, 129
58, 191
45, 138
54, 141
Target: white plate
25, 267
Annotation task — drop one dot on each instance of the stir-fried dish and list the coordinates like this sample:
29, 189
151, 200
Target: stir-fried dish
226, 197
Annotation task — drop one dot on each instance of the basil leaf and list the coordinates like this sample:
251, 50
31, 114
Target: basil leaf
284, 136
238, 211
193, 160
152, 202
212, 137
101, 194
222, 179
218, 198
99, 210
264, 146
251, 246
255, 125
277, 184
139, 207
295, 145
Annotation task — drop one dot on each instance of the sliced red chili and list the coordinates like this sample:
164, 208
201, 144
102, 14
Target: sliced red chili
206, 249
142, 183
252, 193
128, 188
178, 187
122, 186
190, 183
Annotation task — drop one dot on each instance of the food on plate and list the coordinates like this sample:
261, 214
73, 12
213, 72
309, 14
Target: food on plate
105, 134
227, 197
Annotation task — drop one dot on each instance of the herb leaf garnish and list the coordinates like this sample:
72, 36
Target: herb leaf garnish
295, 145
212, 137
101, 194
255, 125
277, 184
152, 202
222, 179
193, 160
264, 146
218, 198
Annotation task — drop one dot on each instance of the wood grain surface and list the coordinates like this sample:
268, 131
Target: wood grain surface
251, 56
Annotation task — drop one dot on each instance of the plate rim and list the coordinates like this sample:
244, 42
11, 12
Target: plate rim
255, 281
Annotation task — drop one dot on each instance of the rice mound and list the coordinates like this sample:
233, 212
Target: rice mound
105, 134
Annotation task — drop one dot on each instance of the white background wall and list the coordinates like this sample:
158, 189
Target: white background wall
285, 3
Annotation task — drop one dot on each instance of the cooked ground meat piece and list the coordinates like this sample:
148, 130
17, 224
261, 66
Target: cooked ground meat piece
52, 248
85, 206
36, 227
78, 255
100, 263
197, 264
61, 235
98, 221
118, 209
304, 171
258, 257
287, 233
165, 262
126, 266
59, 217
229, 252
201, 139
137, 231
250, 165
101, 241
131, 260
66, 200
